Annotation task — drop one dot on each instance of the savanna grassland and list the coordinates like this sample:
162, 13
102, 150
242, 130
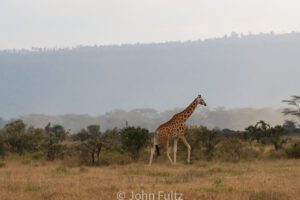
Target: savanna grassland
260, 163
253, 180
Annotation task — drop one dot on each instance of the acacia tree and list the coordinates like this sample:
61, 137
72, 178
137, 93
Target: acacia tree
263, 133
257, 132
294, 110
291, 127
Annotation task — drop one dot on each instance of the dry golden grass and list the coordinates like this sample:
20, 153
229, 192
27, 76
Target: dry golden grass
258, 180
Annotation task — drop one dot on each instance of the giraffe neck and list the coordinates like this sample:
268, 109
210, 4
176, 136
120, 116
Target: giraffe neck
188, 111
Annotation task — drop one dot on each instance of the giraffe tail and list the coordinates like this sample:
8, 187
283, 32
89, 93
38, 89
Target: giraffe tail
157, 146
157, 150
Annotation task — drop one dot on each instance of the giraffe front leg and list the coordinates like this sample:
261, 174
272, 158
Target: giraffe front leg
188, 148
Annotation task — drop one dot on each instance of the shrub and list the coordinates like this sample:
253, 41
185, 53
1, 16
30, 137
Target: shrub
37, 155
230, 149
249, 153
2, 164
134, 140
279, 154
294, 150
52, 144
14, 133
2, 147
55, 150
92, 143
19, 139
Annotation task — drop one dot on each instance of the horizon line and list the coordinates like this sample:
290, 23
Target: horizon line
232, 34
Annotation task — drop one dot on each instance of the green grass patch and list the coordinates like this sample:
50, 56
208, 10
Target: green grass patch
158, 174
265, 195
2, 164
61, 170
33, 188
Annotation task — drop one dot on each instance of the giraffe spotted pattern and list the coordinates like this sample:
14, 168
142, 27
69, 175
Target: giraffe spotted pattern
174, 130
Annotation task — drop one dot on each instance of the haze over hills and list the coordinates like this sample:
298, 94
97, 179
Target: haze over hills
236, 119
231, 72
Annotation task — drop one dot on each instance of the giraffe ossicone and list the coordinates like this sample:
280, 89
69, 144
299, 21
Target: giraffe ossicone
174, 130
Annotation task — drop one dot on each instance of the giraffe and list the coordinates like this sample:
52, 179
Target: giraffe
174, 129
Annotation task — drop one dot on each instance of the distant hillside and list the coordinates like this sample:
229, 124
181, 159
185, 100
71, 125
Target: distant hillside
248, 71
237, 119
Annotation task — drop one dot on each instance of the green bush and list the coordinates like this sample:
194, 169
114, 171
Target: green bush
20, 139
233, 149
279, 154
92, 143
2, 147
52, 144
55, 150
230, 149
134, 140
37, 155
294, 150
204, 139
2, 164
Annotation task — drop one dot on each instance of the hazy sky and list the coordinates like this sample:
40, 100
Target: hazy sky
61, 23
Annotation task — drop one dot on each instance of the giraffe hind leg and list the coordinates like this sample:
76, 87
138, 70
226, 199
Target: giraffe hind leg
175, 150
152, 151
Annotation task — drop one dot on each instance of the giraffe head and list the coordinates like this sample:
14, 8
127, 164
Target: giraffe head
201, 100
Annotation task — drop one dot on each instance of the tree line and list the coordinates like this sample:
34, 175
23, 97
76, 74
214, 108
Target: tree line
54, 142
87, 145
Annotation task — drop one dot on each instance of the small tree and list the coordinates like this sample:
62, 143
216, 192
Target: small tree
134, 140
92, 142
52, 144
112, 137
81, 136
59, 132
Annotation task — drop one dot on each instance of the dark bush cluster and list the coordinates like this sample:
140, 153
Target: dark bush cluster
294, 150
90, 146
